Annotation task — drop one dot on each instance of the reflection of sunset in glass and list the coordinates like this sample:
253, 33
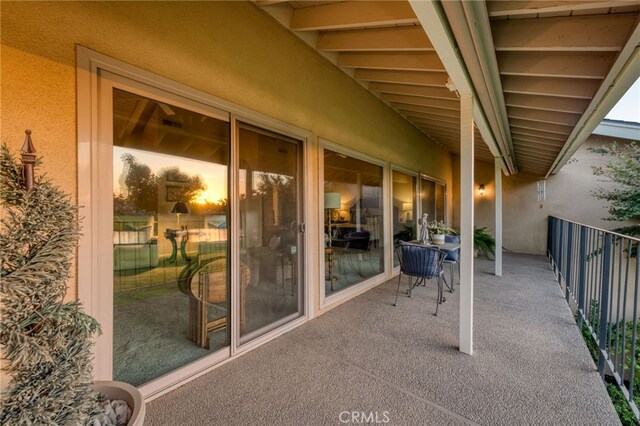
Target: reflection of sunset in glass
214, 176
207, 196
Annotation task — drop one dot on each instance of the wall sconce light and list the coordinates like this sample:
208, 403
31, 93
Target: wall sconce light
481, 189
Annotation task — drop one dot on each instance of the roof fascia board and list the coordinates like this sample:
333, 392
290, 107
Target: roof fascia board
615, 129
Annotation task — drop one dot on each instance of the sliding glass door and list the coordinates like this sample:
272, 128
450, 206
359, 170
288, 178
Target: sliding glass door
170, 245
270, 240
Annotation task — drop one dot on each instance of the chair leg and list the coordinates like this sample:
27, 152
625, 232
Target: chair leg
452, 282
397, 290
437, 299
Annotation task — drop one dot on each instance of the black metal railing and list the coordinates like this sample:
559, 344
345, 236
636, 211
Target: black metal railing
598, 272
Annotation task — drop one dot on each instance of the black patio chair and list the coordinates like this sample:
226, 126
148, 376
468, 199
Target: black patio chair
422, 263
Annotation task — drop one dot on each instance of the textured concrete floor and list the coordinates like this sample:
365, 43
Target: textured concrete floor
530, 365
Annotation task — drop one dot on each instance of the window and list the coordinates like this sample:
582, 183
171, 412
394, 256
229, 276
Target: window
403, 208
353, 220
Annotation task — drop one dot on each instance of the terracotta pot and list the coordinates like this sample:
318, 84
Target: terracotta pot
124, 391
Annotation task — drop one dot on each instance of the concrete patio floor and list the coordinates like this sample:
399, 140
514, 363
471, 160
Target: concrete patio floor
530, 365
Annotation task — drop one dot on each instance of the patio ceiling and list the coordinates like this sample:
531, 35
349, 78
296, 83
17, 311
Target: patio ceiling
545, 73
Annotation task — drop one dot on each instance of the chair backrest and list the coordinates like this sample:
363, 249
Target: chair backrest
420, 261
358, 240
452, 255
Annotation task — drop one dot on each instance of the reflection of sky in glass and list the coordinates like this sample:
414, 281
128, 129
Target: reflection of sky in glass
214, 175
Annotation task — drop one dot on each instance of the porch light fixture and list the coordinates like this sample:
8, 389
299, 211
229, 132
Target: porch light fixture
481, 189
179, 208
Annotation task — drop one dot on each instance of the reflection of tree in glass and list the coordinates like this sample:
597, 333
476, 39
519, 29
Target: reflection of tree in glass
189, 185
284, 186
219, 207
140, 195
142, 189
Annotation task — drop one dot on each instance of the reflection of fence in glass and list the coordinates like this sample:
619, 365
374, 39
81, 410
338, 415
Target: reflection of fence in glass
599, 273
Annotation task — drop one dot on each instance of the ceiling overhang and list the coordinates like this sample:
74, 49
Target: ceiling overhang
543, 74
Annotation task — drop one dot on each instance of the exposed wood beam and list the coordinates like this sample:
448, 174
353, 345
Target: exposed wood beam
394, 39
407, 89
549, 103
561, 129
416, 61
567, 87
539, 133
514, 8
405, 108
352, 14
551, 117
404, 77
555, 64
533, 141
419, 100
431, 117
427, 122
435, 126
262, 3
551, 153
587, 33
524, 145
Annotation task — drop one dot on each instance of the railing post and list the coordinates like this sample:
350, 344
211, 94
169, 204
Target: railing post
560, 252
604, 305
567, 280
582, 273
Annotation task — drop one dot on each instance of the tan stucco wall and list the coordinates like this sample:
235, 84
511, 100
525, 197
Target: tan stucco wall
232, 50
569, 195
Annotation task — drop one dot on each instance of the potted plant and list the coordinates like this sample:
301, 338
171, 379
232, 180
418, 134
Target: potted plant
438, 230
483, 242
46, 342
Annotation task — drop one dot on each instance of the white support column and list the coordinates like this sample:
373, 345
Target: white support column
498, 227
466, 223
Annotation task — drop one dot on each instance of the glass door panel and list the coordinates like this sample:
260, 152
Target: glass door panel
404, 208
270, 244
170, 247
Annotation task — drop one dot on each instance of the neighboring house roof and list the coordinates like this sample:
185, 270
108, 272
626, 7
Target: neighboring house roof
619, 129
544, 74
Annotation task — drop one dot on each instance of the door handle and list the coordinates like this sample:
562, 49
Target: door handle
302, 227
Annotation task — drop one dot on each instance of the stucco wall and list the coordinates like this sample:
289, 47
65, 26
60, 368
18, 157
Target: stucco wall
569, 195
232, 50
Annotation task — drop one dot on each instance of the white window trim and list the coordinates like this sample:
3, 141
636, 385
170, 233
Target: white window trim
91, 260
363, 286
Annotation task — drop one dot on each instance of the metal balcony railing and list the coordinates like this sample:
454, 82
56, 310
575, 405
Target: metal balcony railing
598, 271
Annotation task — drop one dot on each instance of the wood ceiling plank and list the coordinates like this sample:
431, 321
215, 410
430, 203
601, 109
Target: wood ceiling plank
560, 129
352, 14
531, 153
556, 64
549, 103
512, 8
422, 78
416, 61
408, 108
390, 39
532, 146
580, 88
431, 117
436, 122
550, 117
452, 104
413, 90
588, 33
538, 133
537, 141
436, 126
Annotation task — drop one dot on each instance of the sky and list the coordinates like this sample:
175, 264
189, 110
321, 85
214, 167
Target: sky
628, 108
